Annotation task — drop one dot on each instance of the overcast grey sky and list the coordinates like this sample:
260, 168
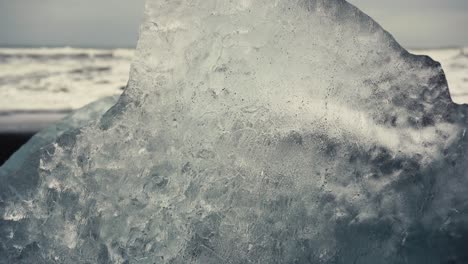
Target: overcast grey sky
114, 23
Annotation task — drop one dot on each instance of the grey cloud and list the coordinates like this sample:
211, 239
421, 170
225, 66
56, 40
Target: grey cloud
70, 22
115, 23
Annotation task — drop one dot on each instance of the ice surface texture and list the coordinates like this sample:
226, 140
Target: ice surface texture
255, 131
27, 158
455, 64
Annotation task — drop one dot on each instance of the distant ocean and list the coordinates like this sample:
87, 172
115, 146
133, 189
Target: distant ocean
62, 79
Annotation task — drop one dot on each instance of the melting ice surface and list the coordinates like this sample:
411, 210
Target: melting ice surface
254, 131
29, 154
455, 65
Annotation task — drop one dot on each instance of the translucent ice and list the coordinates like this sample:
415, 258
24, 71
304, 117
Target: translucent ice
29, 154
255, 131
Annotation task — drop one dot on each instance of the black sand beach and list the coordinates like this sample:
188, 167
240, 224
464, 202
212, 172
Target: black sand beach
17, 127
10, 142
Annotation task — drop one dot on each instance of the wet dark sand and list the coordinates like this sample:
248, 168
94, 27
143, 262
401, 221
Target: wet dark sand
10, 142
16, 128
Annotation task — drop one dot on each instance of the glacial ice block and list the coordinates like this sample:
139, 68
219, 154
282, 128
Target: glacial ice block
255, 131
29, 154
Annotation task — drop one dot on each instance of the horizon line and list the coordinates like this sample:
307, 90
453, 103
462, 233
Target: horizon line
45, 46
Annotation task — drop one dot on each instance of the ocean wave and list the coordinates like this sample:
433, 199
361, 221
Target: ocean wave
63, 54
58, 78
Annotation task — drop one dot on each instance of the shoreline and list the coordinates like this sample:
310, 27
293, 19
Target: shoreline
17, 128
27, 122
11, 142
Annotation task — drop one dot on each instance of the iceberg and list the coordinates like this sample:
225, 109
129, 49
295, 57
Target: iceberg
254, 131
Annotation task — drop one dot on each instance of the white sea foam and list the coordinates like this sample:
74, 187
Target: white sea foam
60, 78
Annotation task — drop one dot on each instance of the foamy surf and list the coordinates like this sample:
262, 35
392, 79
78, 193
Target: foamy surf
60, 78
